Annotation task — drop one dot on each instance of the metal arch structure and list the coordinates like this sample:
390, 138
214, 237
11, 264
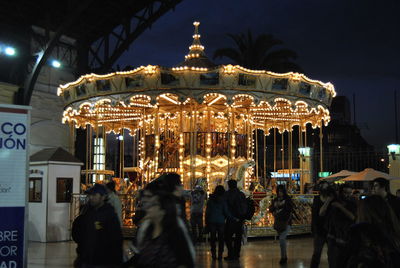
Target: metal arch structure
103, 30
124, 35
43, 55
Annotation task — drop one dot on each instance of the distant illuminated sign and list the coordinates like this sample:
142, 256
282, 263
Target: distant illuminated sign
293, 176
395, 148
324, 174
304, 151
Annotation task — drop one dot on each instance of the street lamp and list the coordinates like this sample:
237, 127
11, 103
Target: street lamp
9, 51
55, 63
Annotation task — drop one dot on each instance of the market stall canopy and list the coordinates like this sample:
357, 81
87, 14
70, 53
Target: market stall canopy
339, 175
369, 174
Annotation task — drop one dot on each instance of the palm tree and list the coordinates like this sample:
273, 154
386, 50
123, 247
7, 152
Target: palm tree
258, 54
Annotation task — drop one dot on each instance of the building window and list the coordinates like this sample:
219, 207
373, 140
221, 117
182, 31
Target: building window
64, 190
99, 157
35, 189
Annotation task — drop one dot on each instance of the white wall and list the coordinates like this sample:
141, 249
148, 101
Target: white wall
37, 211
58, 222
47, 131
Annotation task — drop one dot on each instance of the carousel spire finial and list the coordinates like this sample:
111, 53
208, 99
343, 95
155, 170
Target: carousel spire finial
196, 57
196, 49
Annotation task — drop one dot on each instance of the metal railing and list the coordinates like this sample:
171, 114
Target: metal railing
260, 225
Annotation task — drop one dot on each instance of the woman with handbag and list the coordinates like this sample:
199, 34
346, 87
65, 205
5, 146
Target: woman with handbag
282, 208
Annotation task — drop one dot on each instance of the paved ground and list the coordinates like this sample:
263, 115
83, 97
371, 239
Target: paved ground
261, 253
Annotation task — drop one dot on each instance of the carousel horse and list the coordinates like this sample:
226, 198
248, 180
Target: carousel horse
238, 173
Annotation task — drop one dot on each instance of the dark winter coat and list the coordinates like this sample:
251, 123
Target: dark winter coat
99, 237
237, 204
282, 212
394, 203
338, 224
217, 210
318, 223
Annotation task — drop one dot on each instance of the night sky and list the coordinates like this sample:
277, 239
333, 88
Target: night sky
352, 44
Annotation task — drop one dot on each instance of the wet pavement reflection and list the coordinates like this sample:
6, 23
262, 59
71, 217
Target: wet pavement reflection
256, 253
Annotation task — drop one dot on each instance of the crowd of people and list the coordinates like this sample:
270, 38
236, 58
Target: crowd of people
359, 230
163, 238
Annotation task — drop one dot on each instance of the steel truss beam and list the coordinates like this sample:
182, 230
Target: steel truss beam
106, 51
102, 53
43, 56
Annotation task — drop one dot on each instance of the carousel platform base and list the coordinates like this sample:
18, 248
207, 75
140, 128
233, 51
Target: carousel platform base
252, 231
267, 231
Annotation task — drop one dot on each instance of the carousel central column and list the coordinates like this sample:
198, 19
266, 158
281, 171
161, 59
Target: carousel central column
208, 149
181, 146
257, 154
192, 182
249, 139
121, 152
233, 139
142, 144
250, 154
228, 134
321, 136
283, 149
191, 131
290, 156
274, 149
87, 155
265, 154
157, 140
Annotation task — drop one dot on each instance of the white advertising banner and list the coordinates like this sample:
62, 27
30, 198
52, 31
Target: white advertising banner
14, 143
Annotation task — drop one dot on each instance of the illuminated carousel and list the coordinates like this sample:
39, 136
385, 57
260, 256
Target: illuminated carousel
196, 119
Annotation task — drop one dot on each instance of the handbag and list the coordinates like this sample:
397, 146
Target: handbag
280, 225
130, 254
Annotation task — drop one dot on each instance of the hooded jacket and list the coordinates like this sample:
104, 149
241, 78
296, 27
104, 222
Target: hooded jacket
99, 237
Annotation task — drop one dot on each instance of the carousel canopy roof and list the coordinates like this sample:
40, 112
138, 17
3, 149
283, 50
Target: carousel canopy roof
273, 99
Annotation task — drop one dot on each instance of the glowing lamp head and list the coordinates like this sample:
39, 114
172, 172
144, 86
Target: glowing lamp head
9, 51
55, 63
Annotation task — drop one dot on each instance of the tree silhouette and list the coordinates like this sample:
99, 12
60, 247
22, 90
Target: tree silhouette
259, 53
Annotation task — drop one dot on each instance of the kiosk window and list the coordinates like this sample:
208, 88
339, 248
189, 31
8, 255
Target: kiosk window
64, 190
35, 189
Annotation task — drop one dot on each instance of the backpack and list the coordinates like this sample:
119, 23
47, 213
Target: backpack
241, 206
251, 208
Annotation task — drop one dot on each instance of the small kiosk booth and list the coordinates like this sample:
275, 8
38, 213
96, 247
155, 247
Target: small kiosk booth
54, 175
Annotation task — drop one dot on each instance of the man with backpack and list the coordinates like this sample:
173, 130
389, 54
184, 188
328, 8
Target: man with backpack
237, 206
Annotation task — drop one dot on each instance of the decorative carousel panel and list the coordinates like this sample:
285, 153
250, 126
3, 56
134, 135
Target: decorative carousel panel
209, 79
279, 84
134, 81
169, 79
